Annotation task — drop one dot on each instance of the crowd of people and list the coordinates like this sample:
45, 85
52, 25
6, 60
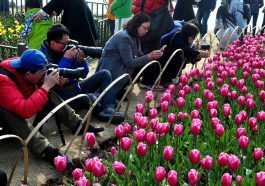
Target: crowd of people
27, 89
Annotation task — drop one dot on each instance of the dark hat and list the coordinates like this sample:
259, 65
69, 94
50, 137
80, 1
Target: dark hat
31, 60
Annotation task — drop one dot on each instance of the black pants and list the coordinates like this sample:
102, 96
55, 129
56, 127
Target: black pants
3, 178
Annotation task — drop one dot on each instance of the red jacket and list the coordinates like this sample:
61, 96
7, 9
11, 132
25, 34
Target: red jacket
25, 100
150, 6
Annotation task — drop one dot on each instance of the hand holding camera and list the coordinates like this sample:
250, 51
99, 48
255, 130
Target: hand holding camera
50, 80
71, 53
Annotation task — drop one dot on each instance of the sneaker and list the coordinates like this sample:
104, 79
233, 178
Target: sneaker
149, 87
91, 128
106, 114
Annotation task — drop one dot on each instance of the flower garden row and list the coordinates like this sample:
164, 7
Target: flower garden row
209, 133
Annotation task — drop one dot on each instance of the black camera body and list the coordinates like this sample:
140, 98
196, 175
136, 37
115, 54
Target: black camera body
205, 46
66, 72
94, 52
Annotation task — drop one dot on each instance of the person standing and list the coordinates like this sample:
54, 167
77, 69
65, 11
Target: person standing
235, 8
4, 6
255, 5
205, 7
77, 17
122, 10
111, 18
186, 15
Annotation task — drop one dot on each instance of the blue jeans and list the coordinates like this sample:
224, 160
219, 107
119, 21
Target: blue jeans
202, 17
95, 84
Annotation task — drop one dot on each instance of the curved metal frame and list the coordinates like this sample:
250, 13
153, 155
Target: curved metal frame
230, 37
261, 29
222, 37
87, 117
26, 160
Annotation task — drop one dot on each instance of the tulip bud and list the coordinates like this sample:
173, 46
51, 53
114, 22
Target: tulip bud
178, 129
193, 177
119, 167
240, 132
77, 173
233, 163
60, 163
164, 106
196, 87
195, 114
136, 116
226, 110
168, 153
214, 122
153, 123
150, 138
213, 113
198, 103
243, 142
180, 102
194, 156
260, 178
149, 96
126, 143
172, 88
238, 119
142, 122
207, 163
127, 128
219, 130
83, 181
172, 178
113, 151
119, 131
239, 179
160, 174
258, 154
141, 149
252, 122
261, 116
241, 100
98, 168
153, 113
171, 118
139, 135
139, 108
226, 179
222, 159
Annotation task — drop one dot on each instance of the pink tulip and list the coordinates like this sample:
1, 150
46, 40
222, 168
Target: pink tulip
149, 96
139, 108
233, 81
222, 159
194, 156
171, 118
77, 173
260, 178
172, 178
258, 154
240, 83
153, 113
172, 88
195, 129
186, 89
119, 167
60, 163
142, 122
119, 131
241, 100
262, 95
168, 153
226, 179
250, 103
136, 116
244, 114
164, 106
259, 84
240, 132
153, 123
139, 135
193, 177
261, 116
243, 142
210, 85
98, 169
141, 149
196, 87
226, 110
233, 95
238, 119
213, 113
233, 162
150, 138
180, 102
239, 179
183, 79
198, 103
83, 181
252, 122
195, 114
113, 151
96, 184
126, 143
224, 90
207, 163
127, 128
219, 130
214, 122
160, 174
178, 129
210, 96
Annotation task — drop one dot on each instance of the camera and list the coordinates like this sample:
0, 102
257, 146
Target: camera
205, 46
66, 72
94, 52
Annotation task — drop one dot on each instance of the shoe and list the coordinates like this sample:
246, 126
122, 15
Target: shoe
149, 87
91, 128
106, 114
49, 153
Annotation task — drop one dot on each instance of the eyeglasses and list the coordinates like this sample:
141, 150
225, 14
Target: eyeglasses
63, 43
145, 28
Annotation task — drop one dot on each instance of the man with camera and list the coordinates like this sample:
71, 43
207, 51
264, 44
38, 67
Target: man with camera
26, 89
57, 51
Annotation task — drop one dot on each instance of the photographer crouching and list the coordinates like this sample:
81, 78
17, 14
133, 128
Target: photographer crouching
57, 50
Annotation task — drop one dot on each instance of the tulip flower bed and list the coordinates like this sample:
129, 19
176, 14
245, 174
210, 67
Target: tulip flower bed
210, 133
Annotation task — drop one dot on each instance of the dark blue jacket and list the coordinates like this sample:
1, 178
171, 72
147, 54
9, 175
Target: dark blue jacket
207, 4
